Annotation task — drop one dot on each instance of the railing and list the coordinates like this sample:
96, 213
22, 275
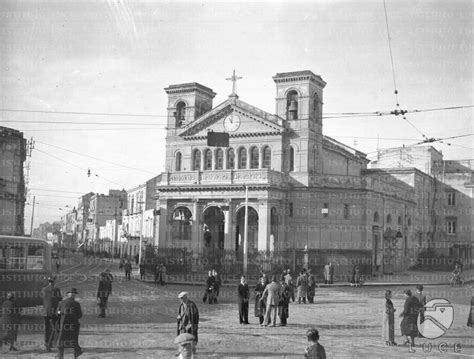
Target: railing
229, 177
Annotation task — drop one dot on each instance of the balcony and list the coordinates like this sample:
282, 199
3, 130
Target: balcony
223, 177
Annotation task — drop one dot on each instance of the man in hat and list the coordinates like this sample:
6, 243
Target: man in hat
9, 321
69, 312
188, 316
103, 292
51, 298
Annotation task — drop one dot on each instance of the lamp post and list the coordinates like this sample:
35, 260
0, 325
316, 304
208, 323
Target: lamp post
306, 257
141, 233
246, 224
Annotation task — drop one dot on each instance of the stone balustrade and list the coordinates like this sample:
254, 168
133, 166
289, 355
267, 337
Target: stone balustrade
223, 177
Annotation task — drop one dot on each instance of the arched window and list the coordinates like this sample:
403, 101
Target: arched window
178, 161
230, 159
219, 159
242, 158
389, 219
254, 157
291, 159
181, 224
376, 217
180, 114
409, 222
292, 105
399, 220
267, 157
316, 106
208, 159
197, 160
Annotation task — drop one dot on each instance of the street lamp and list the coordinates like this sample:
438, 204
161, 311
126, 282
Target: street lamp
246, 225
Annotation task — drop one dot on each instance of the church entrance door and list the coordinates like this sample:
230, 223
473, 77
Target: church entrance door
252, 235
214, 236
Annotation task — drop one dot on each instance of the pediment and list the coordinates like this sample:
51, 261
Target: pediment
251, 121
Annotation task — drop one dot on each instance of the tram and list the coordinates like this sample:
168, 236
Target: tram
25, 265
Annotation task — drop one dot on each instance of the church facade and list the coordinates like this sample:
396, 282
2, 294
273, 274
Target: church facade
310, 198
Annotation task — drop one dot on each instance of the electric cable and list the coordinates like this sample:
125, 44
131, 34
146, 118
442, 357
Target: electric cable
95, 158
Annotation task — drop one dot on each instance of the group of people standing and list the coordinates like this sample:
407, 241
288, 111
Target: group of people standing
160, 274
305, 285
61, 319
213, 285
126, 265
412, 309
271, 298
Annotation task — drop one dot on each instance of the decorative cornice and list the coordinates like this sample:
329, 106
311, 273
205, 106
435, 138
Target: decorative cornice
236, 135
213, 187
189, 88
297, 76
206, 122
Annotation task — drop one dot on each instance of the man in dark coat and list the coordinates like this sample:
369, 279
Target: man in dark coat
470, 318
291, 284
410, 313
311, 286
103, 292
9, 322
51, 298
69, 312
210, 291
128, 269
142, 271
243, 293
188, 316
283, 304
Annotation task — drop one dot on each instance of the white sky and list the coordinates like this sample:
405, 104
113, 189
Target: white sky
117, 57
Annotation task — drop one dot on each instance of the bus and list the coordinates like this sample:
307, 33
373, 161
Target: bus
25, 265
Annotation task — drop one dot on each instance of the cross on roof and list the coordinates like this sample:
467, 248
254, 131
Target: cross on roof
234, 79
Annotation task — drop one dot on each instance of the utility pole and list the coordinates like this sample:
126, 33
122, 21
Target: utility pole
141, 235
32, 216
246, 225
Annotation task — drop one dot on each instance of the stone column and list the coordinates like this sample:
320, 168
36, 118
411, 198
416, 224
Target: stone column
224, 163
228, 227
263, 225
163, 225
196, 236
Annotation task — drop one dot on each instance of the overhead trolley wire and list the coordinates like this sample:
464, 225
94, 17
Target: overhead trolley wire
95, 158
81, 168
398, 110
84, 113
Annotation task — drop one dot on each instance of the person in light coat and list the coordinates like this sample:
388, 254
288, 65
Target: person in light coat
272, 294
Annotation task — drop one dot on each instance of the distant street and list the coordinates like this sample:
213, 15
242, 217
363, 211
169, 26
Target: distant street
141, 321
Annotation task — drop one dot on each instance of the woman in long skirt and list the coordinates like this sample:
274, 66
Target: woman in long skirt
388, 321
410, 314
260, 303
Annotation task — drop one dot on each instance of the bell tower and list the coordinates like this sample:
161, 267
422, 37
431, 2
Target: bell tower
187, 102
299, 100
